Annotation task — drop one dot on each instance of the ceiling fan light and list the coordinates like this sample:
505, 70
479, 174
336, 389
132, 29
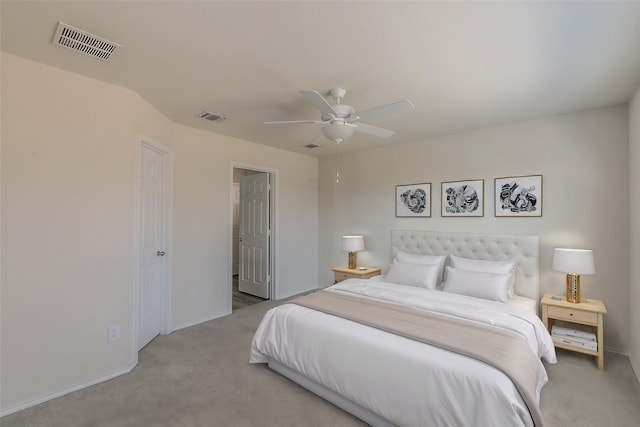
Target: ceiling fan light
337, 132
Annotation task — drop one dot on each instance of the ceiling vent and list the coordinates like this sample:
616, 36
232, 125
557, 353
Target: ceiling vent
212, 117
83, 42
312, 145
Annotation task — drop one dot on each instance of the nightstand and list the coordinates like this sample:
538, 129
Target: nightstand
344, 273
589, 312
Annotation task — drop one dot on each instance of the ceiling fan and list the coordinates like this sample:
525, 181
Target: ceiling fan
341, 120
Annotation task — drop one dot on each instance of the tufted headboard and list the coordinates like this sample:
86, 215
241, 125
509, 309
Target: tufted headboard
493, 247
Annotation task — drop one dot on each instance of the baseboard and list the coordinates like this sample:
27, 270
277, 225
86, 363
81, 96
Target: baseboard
188, 325
42, 399
287, 296
635, 367
616, 351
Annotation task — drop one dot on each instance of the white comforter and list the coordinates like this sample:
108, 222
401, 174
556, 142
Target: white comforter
404, 381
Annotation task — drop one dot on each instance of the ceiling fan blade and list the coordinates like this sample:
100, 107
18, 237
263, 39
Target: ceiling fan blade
289, 122
396, 107
373, 130
318, 100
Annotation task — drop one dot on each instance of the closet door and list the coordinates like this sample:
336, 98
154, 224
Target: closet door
151, 256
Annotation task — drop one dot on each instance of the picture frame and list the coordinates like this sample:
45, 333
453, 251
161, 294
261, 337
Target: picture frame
518, 196
413, 200
462, 198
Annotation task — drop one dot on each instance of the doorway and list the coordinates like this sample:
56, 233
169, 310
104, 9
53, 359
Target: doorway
252, 235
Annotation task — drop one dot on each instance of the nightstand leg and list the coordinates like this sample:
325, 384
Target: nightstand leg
600, 357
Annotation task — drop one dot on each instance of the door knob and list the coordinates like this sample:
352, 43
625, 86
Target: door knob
160, 253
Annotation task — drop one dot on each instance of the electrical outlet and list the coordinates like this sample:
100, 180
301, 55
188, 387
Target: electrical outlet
191, 296
114, 333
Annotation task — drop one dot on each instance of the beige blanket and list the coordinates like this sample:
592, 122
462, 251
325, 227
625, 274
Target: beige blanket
503, 349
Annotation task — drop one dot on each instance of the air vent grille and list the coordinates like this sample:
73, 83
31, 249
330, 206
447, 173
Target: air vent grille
84, 42
212, 117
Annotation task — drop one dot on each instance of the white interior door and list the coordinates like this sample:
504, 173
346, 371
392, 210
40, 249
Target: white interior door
253, 277
151, 248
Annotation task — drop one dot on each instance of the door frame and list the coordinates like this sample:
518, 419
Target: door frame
233, 264
273, 225
167, 196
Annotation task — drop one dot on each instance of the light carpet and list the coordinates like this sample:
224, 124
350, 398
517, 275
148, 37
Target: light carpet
200, 376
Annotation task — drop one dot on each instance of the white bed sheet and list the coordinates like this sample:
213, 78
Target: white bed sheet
404, 381
525, 303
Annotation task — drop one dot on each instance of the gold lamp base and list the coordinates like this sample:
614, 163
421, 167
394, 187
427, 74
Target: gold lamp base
573, 288
352, 259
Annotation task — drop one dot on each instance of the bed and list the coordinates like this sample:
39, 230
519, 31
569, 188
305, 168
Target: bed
386, 376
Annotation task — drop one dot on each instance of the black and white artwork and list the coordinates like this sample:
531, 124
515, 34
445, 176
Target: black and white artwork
413, 200
518, 196
463, 198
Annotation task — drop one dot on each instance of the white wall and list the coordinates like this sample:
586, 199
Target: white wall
201, 215
68, 169
583, 160
634, 183
68, 159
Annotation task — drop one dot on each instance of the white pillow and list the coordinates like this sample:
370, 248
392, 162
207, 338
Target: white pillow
406, 273
482, 266
438, 260
491, 286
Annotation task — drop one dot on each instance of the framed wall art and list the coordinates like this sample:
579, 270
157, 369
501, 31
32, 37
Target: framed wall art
413, 200
518, 196
463, 198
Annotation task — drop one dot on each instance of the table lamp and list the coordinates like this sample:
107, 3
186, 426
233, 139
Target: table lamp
353, 244
574, 262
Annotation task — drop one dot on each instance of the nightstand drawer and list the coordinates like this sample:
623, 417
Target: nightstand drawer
572, 315
344, 273
339, 277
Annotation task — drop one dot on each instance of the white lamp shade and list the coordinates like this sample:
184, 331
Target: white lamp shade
576, 261
352, 243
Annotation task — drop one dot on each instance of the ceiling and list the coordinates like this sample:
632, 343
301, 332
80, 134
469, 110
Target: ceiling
464, 65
